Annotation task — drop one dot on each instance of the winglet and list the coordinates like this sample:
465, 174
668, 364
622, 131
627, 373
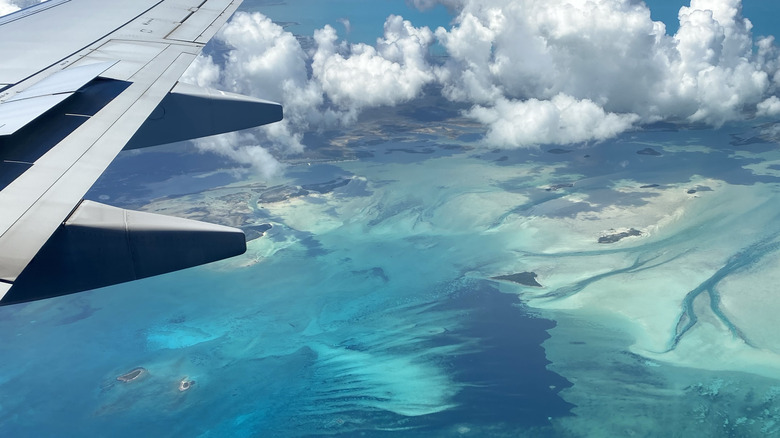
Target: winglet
101, 245
189, 111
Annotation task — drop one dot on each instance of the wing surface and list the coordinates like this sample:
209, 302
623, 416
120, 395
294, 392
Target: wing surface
79, 80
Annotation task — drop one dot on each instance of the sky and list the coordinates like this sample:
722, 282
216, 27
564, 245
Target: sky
532, 72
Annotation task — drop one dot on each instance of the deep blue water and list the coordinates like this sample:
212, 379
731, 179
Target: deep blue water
507, 378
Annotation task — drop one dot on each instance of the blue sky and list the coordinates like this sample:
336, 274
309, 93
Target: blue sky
762, 13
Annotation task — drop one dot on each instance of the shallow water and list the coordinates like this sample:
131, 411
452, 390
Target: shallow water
369, 308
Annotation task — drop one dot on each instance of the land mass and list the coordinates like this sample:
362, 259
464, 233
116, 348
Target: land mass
612, 238
555, 187
133, 374
524, 278
648, 151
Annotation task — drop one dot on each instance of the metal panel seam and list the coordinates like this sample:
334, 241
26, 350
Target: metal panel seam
99, 39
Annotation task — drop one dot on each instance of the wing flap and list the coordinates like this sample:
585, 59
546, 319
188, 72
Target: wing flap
133, 56
64, 81
26, 106
16, 115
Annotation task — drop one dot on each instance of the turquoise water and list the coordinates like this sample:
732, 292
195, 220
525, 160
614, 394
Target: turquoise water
370, 308
342, 331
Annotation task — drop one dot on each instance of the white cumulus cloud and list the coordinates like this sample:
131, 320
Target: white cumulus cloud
560, 120
242, 148
769, 107
611, 53
533, 71
360, 75
7, 7
321, 89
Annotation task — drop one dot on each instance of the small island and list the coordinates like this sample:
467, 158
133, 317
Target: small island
326, 187
280, 193
524, 278
133, 374
185, 384
612, 238
556, 187
255, 231
648, 151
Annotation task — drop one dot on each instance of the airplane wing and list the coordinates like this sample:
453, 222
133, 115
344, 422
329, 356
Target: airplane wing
81, 80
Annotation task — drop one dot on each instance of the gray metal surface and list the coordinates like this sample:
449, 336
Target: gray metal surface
16, 115
38, 41
21, 108
63, 81
39, 200
190, 112
100, 245
48, 53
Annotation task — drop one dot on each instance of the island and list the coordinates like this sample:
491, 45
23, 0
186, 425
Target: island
280, 193
524, 278
185, 384
131, 375
255, 231
328, 186
648, 151
555, 187
612, 238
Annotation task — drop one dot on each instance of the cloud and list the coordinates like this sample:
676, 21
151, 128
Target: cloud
359, 76
203, 72
242, 148
769, 107
267, 62
7, 7
533, 71
611, 53
560, 120
347, 25
321, 89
